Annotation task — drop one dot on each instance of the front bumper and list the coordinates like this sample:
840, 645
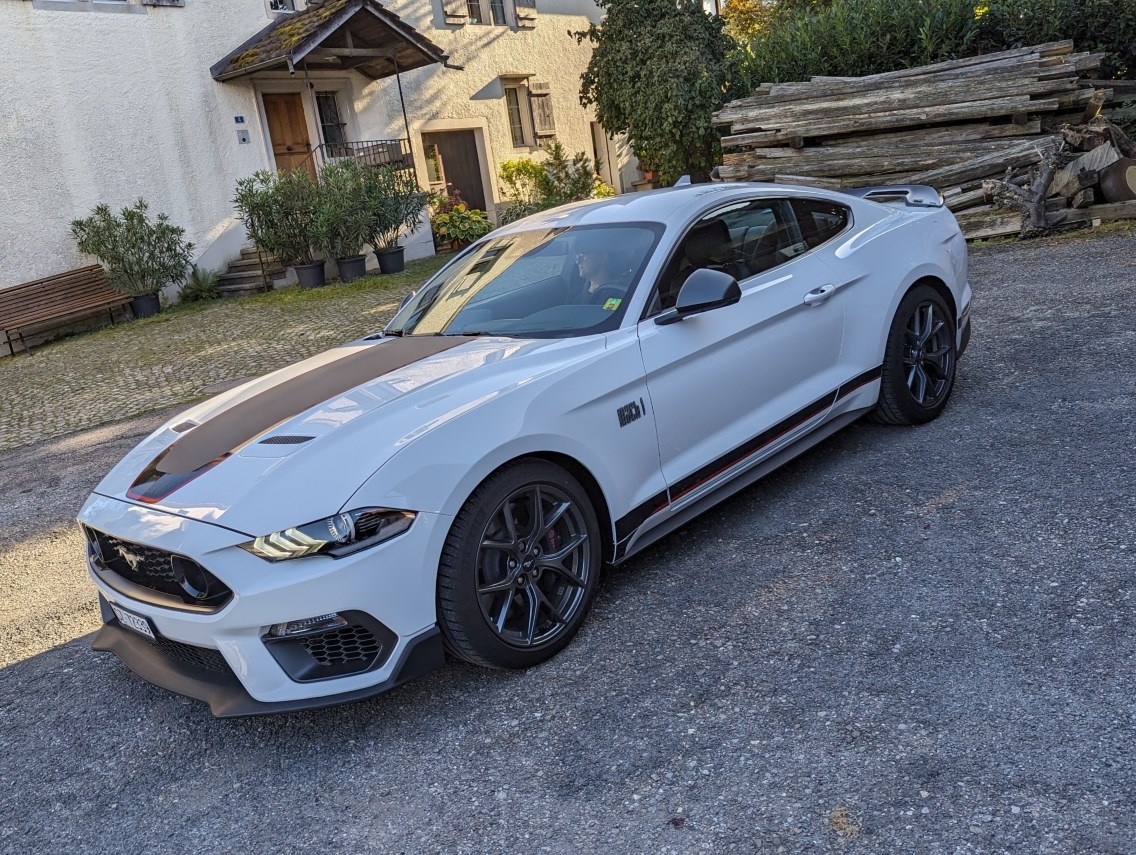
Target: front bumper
224, 693
392, 583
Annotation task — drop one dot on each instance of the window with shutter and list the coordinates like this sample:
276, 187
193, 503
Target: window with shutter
526, 13
456, 11
540, 99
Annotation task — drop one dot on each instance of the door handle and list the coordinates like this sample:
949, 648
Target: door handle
819, 295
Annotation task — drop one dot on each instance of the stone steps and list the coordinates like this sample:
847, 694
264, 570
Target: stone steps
243, 276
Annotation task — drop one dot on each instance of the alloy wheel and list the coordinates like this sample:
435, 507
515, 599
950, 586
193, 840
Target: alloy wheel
928, 356
533, 565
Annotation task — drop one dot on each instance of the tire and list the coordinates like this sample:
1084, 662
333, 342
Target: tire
920, 360
519, 601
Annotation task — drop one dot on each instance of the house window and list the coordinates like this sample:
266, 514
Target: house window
516, 115
475, 15
282, 5
332, 126
497, 12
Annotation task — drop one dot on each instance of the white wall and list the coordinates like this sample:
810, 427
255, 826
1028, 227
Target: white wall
101, 107
105, 107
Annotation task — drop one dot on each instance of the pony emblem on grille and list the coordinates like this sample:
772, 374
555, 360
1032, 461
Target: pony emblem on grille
129, 557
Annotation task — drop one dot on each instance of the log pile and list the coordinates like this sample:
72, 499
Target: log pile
1026, 116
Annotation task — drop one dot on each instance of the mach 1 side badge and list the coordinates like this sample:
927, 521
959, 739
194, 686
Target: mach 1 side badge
630, 412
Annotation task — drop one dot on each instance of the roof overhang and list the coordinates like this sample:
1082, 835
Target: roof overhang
333, 35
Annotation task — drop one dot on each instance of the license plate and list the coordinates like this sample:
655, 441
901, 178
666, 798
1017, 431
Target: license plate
132, 621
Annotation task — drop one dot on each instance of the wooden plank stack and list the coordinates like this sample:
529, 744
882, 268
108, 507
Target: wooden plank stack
951, 125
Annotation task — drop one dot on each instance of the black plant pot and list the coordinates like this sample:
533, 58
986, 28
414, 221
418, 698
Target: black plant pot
352, 268
310, 275
145, 305
391, 260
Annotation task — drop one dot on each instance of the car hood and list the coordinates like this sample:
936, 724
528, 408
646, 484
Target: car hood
292, 447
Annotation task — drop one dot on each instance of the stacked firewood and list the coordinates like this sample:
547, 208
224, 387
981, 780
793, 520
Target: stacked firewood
956, 125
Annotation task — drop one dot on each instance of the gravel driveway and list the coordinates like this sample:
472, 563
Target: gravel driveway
908, 641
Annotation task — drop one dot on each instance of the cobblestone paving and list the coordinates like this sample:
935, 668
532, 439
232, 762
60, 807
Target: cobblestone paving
124, 371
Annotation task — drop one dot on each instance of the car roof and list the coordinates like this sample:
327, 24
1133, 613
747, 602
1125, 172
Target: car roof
662, 206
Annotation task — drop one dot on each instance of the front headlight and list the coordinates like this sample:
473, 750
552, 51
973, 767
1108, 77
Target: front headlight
336, 536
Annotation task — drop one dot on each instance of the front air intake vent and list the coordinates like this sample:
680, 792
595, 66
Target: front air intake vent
285, 439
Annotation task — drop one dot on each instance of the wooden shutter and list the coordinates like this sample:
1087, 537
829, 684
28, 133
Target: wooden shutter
540, 99
526, 13
456, 11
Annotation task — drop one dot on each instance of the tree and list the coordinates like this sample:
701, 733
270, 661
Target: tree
659, 70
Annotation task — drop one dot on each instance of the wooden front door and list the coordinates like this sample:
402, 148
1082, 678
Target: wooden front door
457, 153
288, 131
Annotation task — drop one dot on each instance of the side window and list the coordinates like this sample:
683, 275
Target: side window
820, 221
743, 240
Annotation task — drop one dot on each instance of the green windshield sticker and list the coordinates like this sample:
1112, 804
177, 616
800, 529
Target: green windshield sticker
612, 303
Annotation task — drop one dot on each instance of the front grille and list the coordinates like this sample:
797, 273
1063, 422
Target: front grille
158, 570
343, 646
199, 658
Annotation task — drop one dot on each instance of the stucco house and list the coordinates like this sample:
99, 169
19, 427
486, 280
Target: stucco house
174, 100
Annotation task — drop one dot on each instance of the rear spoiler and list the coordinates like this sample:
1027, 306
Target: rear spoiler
912, 195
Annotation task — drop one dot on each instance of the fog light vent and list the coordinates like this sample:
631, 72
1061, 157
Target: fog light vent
322, 623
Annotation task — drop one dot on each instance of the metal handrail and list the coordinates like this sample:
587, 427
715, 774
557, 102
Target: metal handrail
366, 152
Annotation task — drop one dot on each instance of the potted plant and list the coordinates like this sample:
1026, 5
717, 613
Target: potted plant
280, 211
140, 256
395, 204
342, 224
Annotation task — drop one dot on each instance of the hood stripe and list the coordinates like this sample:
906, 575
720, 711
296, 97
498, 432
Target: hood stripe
229, 430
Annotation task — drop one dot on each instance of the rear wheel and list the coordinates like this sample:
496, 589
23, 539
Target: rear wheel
919, 360
519, 568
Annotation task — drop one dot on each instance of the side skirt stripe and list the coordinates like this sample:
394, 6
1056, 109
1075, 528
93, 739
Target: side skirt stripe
627, 525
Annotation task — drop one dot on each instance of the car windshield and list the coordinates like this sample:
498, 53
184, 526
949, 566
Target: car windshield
544, 283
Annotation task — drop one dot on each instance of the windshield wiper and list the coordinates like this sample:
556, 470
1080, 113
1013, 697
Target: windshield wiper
396, 333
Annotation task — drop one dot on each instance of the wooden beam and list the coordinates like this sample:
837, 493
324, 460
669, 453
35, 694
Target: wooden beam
337, 52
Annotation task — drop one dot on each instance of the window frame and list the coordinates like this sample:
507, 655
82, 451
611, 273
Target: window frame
649, 307
524, 112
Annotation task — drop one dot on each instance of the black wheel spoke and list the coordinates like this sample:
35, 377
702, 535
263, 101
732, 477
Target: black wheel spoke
553, 519
534, 613
499, 545
547, 603
537, 515
510, 521
495, 587
504, 613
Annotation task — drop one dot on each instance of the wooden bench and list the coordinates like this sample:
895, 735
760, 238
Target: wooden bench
55, 299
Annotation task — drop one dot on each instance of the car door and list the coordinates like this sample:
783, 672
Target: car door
733, 384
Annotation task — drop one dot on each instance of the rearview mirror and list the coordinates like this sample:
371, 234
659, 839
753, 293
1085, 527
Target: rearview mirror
702, 291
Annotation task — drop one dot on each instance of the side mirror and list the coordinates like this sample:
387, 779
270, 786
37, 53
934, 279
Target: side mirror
702, 291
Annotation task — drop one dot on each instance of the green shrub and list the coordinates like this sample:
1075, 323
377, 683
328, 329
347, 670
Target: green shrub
140, 255
280, 211
200, 285
533, 186
857, 37
394, 202
343, 218
462, 225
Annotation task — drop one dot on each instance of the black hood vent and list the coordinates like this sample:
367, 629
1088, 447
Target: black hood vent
285, 439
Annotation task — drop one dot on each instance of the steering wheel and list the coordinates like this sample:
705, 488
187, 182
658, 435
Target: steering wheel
607, 292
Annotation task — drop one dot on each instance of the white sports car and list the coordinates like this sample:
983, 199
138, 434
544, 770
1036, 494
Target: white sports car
563, 393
